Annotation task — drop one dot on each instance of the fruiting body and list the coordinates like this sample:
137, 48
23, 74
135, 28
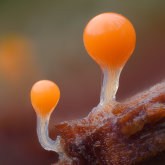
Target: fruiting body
44, 97
109, 39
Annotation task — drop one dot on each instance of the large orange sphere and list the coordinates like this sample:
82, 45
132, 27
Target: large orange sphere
44, 97
109, 39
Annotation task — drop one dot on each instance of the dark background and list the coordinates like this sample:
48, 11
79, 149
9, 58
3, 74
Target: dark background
51, 32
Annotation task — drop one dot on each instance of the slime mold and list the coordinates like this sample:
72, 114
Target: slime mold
113, 133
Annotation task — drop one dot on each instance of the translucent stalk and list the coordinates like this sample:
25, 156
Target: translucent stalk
43, 136
110, 85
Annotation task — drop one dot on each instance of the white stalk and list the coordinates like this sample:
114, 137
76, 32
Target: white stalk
110, 85
43, 136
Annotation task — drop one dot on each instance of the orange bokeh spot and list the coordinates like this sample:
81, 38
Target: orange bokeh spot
15, 52
109, 39
44, 97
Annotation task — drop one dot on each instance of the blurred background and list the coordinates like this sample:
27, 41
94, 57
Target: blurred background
43, 40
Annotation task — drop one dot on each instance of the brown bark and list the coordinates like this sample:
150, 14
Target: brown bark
117, 133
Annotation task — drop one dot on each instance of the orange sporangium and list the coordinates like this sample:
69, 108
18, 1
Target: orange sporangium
109, 39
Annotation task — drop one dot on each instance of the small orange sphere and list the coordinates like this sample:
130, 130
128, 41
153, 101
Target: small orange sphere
109, 39
44, 97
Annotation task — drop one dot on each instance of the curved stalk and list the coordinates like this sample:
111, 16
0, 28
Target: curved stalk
43, 136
